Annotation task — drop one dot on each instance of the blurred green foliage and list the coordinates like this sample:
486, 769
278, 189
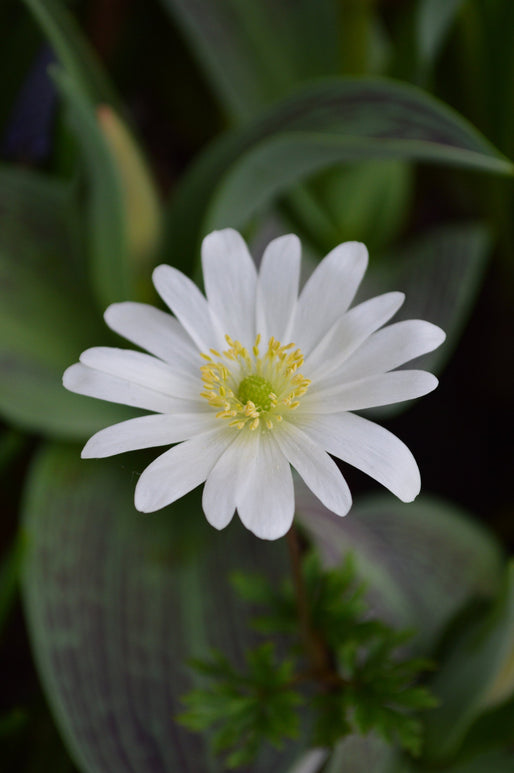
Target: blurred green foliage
128, 131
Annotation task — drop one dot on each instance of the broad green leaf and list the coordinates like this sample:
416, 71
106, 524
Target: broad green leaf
46, 318
476, 675
72, 48
117, 602
422, 562
347, 119
111, 271
253, 53
440, 273
367, 201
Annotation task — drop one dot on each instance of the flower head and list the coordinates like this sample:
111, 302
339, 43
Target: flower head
254, 378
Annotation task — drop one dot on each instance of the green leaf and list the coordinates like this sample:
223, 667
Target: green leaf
421, 562
434, 19
440, 273
367, 201
363, 754
72, 48
111, 270
253, 53
347, 119
477, 674
46, 319
116, 603
246, 708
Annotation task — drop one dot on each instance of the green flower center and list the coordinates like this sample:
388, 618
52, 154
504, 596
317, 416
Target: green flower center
253, 390
256, 389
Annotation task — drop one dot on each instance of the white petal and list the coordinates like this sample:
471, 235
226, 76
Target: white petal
154, 330
230, 279
318, 470
179, 470
143, 370
328, 293
147, 432
93, 383
370, 448
391, 347
370, 392
266, 503
348, 333
220, 490
189, 306
277, 289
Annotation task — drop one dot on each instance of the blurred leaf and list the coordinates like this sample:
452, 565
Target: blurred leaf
116, 602
111, 269
421, 562
440, 273
478, 673
367, 201
490, 762
45, 316
362, 754
434, 19
491, 732
328, 123
311, 762
72, 48
253, 53
141, 200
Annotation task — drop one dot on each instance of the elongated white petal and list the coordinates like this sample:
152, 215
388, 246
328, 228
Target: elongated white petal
189, 306
156, 331
370, 448
348, 333
179, 470
384, 389
391, 347
266, 504
147, 432
328, 293
318, 470
230, 279
277, 289
224, 481
93, 383
143, 370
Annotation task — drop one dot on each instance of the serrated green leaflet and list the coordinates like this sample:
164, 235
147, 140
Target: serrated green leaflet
421, 562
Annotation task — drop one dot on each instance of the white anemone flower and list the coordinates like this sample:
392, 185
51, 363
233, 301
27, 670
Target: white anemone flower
255, 378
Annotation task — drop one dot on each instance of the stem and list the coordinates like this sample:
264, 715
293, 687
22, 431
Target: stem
314, 646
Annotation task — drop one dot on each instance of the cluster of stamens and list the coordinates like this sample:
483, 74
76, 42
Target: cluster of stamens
251, 390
